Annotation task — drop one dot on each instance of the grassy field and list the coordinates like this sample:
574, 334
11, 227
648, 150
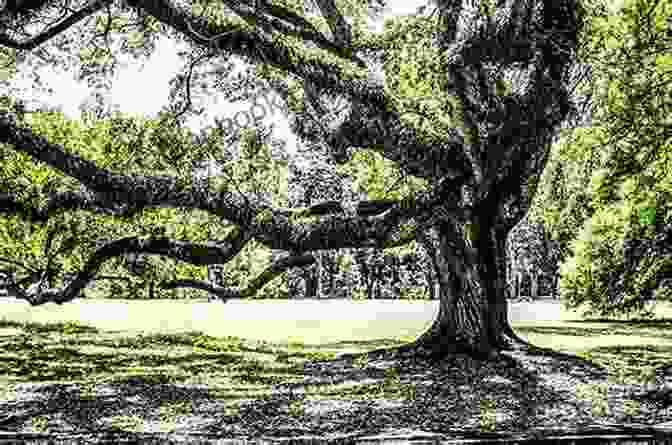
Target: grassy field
630, 348
244, 360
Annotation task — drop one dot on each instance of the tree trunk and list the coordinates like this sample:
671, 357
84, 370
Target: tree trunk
318, 271
473, 314
534, 284
371, 286
310, 280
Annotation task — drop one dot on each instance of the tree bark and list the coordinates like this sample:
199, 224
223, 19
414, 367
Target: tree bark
473, 312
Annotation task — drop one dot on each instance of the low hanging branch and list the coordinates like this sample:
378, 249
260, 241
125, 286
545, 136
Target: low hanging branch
279, 266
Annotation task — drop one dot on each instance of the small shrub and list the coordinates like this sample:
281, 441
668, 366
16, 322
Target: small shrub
40, 423
414, 293
71, 327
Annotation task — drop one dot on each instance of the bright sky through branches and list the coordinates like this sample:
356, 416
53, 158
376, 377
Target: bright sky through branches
143, 88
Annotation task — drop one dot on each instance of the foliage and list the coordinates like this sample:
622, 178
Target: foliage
613, 179
414, 293
345, 262
379, 178
125, 146
414, 76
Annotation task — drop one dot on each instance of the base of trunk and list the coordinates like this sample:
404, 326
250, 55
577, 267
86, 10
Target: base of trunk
430, 348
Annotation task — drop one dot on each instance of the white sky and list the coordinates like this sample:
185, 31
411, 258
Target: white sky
144, 90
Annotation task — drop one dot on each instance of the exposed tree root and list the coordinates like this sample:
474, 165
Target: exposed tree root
426, 348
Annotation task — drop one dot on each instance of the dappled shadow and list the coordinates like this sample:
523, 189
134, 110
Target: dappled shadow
140, 375
143, 373
659, 357
565, 362
83, 412
447, 393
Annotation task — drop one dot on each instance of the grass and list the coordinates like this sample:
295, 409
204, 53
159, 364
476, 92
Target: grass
50, 345
631, 349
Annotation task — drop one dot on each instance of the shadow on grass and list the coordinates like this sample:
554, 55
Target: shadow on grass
645, 362
227, 387
663, 323
607, 327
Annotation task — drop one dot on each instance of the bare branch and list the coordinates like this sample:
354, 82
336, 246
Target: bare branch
221, 293
50, 33
187, 82
275, 269
114, 190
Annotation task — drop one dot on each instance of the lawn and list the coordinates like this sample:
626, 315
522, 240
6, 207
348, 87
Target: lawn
189, 366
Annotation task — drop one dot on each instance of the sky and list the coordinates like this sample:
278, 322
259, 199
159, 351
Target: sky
154, 76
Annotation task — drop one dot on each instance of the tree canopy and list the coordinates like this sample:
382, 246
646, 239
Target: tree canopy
467, 99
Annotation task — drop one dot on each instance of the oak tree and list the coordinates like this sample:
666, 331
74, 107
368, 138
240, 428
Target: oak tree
472, 106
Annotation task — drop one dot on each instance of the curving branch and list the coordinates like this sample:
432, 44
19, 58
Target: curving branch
301, 27
483, 164
123, 194
275, 269
219, 292
60, 201
381, 230
184, 251
32, 43
506, 38
192, 253
385, 128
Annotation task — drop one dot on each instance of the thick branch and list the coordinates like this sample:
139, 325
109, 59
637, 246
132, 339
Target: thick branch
301, 27
370, 125
276, 233
197, 254
118, 191
381, 231
60, 201
229, 39
340, 29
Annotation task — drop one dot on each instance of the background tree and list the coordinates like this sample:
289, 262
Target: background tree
612, 179
498, 94
532, 259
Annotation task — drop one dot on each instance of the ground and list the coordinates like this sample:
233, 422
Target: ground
188, 385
